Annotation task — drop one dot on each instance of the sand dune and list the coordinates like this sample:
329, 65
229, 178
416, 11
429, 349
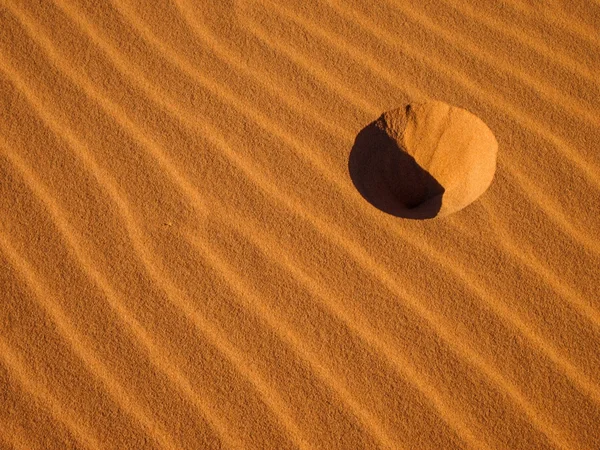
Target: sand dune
187, 260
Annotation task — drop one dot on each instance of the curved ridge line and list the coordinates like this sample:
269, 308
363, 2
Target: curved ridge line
272, 399
591, 171
400, 364
532, 42
331, 82
78, 344
533, 192
168, 288
581, 29
552, 210
521, 401
173, 57
435, 321
561, 218
280, 326
391, 447
114, 111
503, 312
128, 15
88, 27
204, 34
569, 294
89, 164
186, 68
552, 94
545, 203
301, 445
572, 297
234, 157
162, 48
16, 440
12, 362
455, 343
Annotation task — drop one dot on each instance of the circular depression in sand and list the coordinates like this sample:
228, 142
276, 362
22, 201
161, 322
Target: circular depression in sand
424, 160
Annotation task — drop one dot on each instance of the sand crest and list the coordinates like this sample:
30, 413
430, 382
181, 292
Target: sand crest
203, 234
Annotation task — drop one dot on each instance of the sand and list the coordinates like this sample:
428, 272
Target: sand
187, 260
423, 160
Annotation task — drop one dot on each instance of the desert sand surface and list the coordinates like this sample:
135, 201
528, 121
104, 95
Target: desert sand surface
186, 261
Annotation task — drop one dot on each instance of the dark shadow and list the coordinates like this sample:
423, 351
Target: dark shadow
390, 179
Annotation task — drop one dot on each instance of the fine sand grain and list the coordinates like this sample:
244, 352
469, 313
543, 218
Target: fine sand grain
197, 250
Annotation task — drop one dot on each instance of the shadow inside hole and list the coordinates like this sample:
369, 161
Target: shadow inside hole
390, 179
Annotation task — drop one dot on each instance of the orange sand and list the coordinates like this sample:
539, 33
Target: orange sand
185, 261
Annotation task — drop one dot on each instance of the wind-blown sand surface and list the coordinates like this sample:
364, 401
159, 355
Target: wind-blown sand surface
185, 261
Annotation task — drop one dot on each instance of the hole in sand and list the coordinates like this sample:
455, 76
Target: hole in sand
424, 160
